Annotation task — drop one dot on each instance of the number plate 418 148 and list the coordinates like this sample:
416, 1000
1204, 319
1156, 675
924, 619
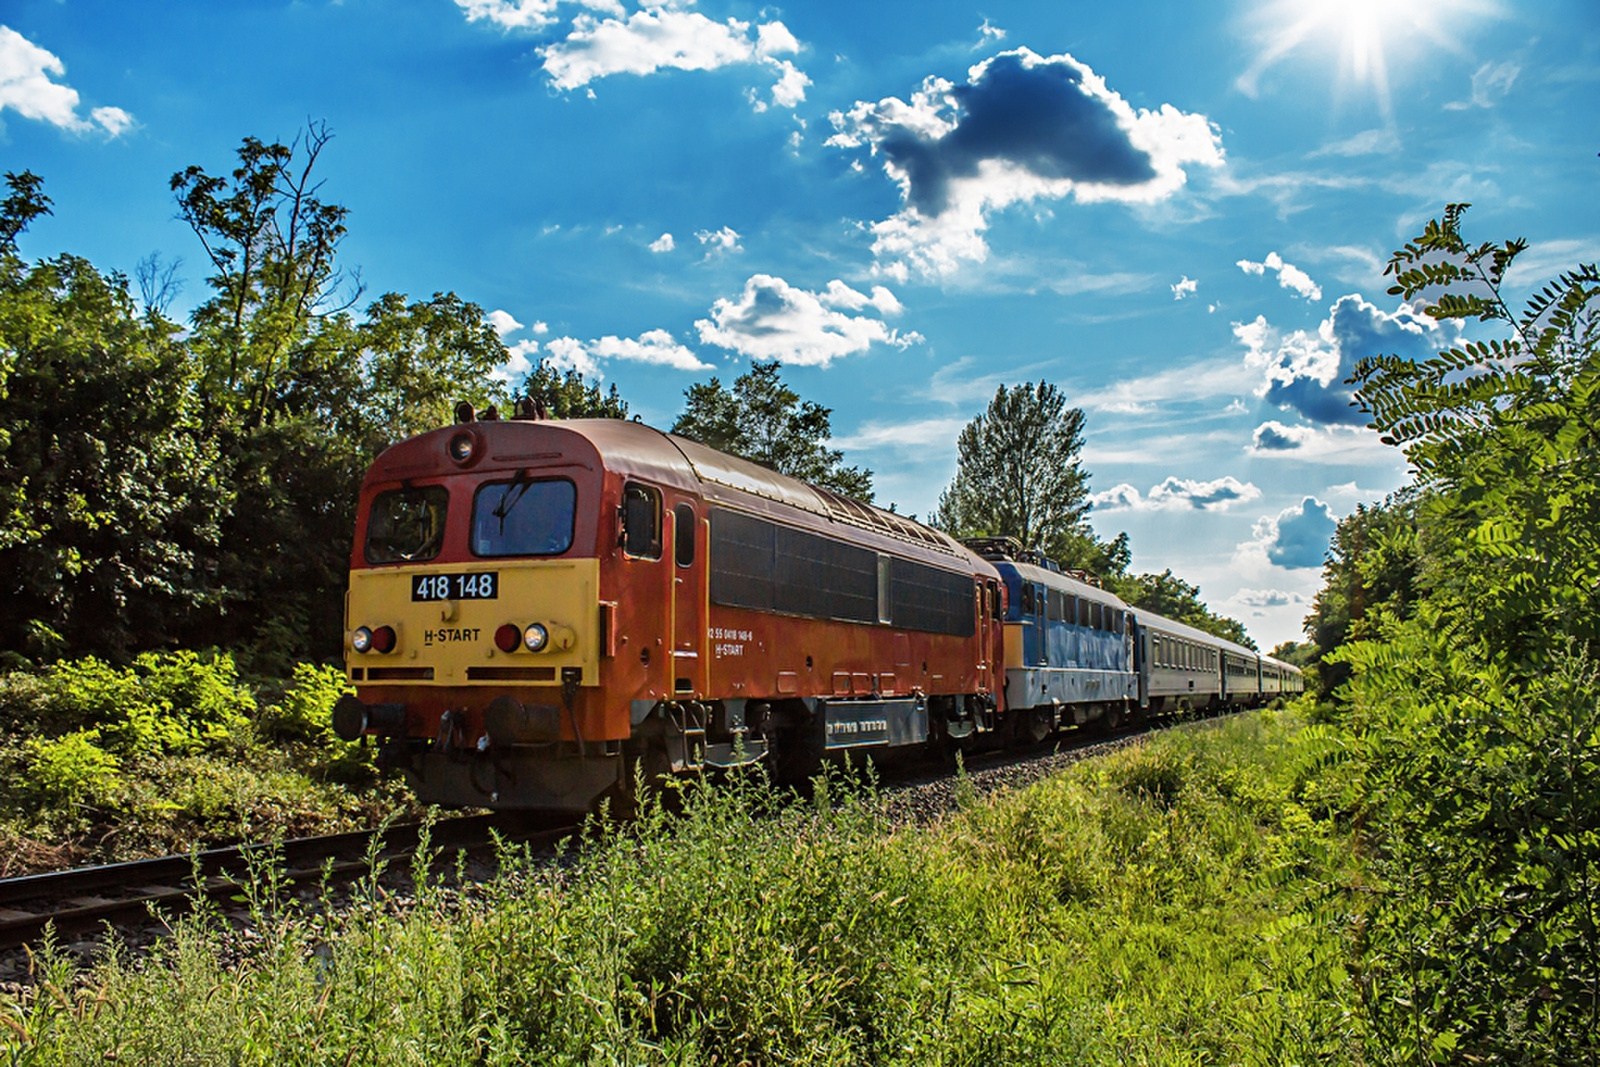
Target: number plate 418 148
484, 585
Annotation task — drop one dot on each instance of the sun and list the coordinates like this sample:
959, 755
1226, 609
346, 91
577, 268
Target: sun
1361, 35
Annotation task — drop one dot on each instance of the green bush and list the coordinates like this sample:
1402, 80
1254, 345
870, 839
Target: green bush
72, 769
305, 711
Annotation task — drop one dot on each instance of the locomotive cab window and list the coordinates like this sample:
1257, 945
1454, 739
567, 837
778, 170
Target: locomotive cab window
1027, 598
523, 518
641, 521
406, 525
683, 534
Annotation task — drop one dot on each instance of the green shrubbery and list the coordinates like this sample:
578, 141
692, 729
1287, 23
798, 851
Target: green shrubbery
171, 751
1089, 919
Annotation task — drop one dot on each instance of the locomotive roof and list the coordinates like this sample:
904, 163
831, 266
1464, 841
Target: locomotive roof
637, 449
1062, 580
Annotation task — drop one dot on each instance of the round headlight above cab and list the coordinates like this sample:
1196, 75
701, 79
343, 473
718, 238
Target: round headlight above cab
361, 640
535, 637
463, 447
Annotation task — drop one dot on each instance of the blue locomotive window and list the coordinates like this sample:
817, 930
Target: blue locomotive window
406, 525
523, 517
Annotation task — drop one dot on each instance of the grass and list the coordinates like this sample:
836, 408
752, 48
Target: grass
1174, 903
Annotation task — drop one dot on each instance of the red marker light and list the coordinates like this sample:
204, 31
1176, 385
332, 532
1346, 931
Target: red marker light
383, 639
507, 638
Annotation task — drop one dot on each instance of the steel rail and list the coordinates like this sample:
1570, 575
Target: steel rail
72, 900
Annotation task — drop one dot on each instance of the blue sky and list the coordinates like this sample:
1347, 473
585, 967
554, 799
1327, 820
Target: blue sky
1176, 213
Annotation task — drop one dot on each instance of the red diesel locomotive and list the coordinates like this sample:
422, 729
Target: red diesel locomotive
538, 607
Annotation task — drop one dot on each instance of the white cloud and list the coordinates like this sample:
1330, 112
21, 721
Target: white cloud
1289, 276
1022, 128
1185, 286
502, 322
1378, 142
518, 364
772, 319
664, 243
664, 37
1177, 494
1490, 83
526, 14
919, 435
26, 87
569, 353
656, 347
1265, 598
723, 240
1187, 382
1297, 537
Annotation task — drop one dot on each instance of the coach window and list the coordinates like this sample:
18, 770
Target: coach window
1027, 599
1055, 604
683, 534
995, 610
641, 521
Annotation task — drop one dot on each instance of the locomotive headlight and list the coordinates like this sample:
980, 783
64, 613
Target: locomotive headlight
535, 637
461, 447
361, 640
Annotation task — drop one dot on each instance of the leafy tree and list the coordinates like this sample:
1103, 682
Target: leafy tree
565, 395
109, 495
765, 421
1473, 717
1301, 654
300, 394
1018, 474
1368, 582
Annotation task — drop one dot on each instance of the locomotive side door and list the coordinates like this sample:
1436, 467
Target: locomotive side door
688, 599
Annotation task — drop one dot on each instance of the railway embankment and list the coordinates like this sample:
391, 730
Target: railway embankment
1191, 897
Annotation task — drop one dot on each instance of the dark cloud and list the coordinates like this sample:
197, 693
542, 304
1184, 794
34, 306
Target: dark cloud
1272, 437
1038, 117
1308, 372
1299, 536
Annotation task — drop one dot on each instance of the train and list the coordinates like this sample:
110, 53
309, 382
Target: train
542, 613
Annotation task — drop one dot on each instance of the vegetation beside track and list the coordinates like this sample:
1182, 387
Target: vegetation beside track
1186, 900
174, 752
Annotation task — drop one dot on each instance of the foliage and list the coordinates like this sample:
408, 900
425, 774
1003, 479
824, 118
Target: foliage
565, 395
1018, 472
1465, 619
1370, 579
1148, 908
164, 487
109, 492
763, 420
173, 750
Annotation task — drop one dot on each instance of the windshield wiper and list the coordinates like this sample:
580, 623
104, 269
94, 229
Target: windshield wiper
520, 484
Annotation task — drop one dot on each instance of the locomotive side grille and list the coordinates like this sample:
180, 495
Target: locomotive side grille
399, 674
763, 566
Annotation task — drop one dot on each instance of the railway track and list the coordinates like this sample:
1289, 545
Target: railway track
83, 899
